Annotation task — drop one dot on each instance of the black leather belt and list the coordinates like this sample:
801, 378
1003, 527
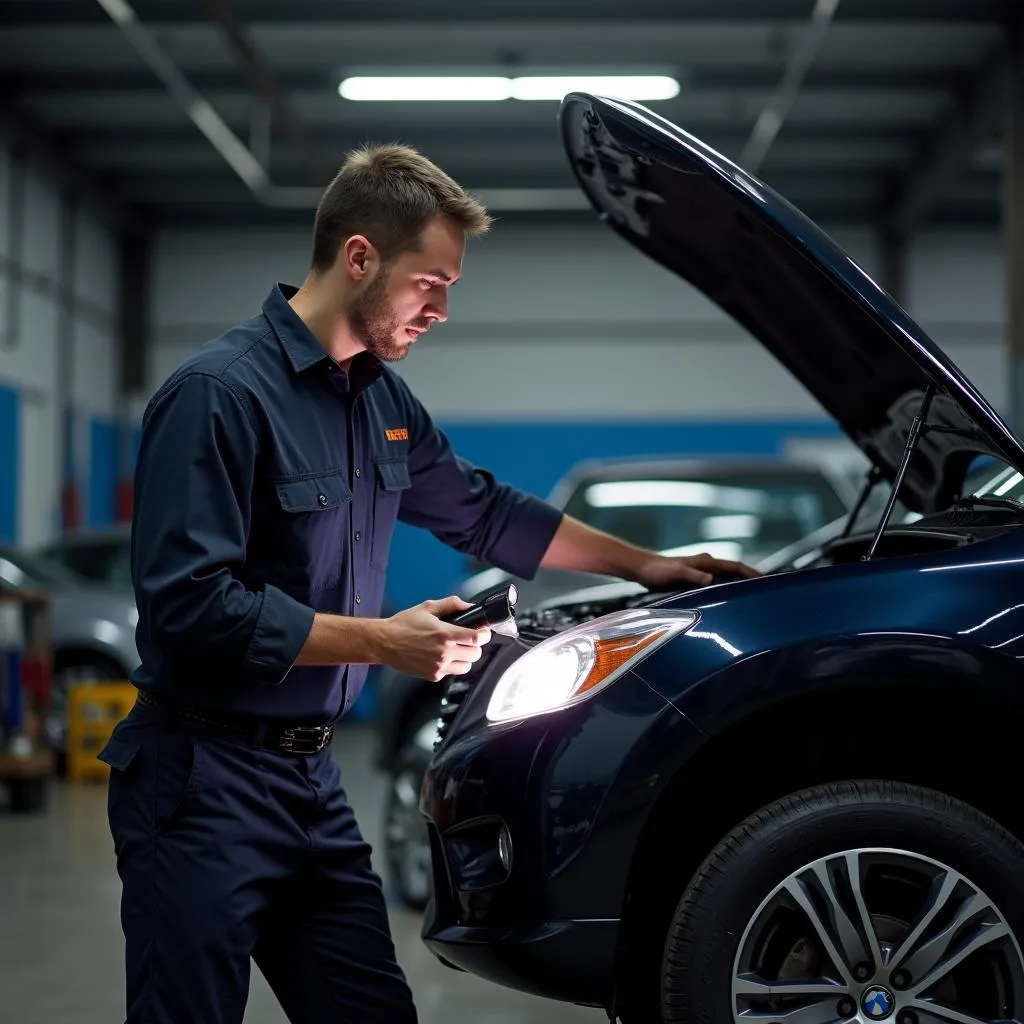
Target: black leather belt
295, 739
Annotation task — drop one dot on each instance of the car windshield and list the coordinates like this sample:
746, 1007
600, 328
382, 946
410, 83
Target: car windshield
995, 479
988, 477
18, 569
730, 516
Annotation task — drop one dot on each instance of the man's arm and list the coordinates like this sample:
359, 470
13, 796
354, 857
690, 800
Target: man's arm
466, 508
580, 547
192, 514
414, 641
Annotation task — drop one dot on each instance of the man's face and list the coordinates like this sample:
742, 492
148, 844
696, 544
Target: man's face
407, 296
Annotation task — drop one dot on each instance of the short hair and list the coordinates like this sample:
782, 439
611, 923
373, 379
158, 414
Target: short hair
389, 192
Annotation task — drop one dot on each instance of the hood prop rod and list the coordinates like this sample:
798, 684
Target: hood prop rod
874, 477
917, 430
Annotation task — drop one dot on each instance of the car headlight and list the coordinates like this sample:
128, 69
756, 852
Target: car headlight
581, 661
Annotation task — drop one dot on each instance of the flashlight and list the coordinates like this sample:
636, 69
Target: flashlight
497, 611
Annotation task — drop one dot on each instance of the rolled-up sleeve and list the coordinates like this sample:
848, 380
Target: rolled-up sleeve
193, 482
468, 509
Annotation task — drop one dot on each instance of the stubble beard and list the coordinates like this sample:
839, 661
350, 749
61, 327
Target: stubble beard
374, 322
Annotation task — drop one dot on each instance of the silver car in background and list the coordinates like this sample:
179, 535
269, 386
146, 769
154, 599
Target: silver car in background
742, 509
92, 626
99, 553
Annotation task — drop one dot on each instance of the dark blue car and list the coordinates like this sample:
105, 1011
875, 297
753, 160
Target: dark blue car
789, 800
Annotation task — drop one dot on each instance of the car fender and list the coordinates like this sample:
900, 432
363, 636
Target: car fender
910, 621
860, 663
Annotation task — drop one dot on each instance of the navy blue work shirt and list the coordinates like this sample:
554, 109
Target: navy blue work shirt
267, 487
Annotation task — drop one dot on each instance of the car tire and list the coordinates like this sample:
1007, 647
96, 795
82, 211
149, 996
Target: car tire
841, 855
406, 843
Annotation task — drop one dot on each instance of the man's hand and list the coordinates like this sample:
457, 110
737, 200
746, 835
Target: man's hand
418, 643
664, 572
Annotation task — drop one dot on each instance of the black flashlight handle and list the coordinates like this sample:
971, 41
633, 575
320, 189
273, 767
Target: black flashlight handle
492, 610
471, 618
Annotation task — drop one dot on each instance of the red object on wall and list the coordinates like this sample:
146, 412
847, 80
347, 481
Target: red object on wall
36, 681
71, 505
123, 509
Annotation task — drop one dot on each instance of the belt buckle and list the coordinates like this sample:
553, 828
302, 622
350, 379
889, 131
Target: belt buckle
306, 739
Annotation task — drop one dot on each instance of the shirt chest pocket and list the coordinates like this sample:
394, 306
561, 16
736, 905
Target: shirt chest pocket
391, 478
315, 511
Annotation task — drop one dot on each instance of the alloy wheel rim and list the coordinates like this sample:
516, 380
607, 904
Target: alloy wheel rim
874, 936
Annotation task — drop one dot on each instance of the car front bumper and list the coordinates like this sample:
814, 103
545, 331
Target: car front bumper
533, 827
570, 961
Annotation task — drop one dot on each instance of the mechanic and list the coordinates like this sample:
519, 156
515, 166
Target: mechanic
273, 465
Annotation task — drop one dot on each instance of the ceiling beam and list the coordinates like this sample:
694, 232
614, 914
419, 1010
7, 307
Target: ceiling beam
798, 63
829, 213
466, 132
298, 11
264, 84
210, 81
48, 154
946, 154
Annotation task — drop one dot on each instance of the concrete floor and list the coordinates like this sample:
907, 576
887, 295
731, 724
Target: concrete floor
61, 942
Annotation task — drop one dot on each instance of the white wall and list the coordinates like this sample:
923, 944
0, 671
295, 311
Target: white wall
616, 336
30, 362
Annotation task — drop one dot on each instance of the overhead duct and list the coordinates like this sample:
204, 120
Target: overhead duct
775, 111
245, 164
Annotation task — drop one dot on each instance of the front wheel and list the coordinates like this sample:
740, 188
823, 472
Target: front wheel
406, 841
870, 902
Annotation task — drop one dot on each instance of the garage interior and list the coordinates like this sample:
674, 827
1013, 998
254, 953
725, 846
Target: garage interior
160, 166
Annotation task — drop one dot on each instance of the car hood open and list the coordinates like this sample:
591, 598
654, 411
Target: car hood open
781, 277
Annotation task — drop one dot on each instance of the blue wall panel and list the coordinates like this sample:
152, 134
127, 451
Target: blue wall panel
104, 459
10, 462
533, 456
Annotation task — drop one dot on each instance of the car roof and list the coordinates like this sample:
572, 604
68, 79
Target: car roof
627, 468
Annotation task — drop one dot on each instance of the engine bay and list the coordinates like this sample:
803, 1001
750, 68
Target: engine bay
952, 528
538, 624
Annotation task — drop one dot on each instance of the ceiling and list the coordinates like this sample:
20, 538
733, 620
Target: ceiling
882, 111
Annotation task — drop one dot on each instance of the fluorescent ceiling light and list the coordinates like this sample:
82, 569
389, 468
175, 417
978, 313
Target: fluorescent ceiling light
627, 87
396, 88
425, 88
678, 493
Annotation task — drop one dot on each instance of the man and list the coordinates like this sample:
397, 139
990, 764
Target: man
272, 468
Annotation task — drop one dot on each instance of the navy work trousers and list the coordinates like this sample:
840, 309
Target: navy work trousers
229, 853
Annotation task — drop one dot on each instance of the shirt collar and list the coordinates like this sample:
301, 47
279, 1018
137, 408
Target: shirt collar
300, 344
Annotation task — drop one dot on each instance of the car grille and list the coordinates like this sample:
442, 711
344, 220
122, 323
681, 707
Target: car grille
455, 692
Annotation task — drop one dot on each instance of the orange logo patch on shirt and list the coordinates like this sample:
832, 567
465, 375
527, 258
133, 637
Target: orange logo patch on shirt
397, 435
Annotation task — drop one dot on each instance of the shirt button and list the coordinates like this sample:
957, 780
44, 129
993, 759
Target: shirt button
359, 536
359, 472
359, 600
322, 499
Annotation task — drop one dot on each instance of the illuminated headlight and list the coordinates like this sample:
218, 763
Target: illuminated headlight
581, 661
